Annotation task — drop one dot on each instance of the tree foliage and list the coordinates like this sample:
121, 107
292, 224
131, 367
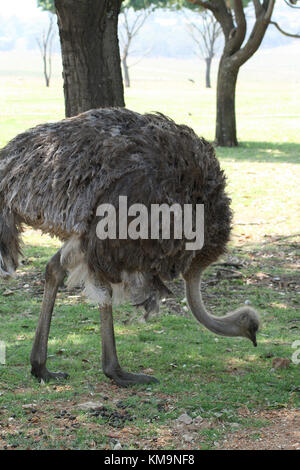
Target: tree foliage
143, 4
46, 5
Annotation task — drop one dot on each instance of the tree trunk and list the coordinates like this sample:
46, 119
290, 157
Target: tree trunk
226, 124
232, 18
126, 71
46, 75
90, 53
207, 74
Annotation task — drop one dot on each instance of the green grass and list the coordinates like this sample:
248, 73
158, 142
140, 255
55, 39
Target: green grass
199, 373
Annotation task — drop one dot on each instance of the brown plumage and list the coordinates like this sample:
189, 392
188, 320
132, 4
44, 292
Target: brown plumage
54, 176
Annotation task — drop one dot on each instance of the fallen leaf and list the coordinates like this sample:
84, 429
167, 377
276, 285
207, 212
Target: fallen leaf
281, 363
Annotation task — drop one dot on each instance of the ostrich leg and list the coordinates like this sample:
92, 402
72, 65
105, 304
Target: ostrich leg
54, 276
110, 363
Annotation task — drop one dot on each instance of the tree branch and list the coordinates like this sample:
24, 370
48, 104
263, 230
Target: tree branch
270, 8
257, 34
292, 3
290, 35
240, 32
257, 7
224, 16
207, 5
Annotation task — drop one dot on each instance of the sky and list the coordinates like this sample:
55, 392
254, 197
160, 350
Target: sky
27, 9
24, 9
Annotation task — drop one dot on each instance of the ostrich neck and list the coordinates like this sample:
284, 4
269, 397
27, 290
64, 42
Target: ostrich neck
225, 326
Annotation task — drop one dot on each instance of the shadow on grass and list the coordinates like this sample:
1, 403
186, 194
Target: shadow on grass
229, 372
36, 256
270, 152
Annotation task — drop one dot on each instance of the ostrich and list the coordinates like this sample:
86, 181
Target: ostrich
54, 176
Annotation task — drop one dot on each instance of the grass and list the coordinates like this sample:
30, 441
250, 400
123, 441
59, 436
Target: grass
200, 374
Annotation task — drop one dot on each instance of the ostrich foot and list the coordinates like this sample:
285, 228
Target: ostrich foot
125, 379
45, 375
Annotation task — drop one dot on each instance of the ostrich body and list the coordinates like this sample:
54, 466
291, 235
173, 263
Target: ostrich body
54, 176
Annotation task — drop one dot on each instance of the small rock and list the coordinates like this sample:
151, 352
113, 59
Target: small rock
29, 406
148, 371
185, 419
188, 437
90, 405
248, 302
118, 446
198, 420
8, 292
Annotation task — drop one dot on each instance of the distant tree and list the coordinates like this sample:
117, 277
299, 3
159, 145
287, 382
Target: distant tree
231, 16
45, 46
90, 52
205, 34
130, 27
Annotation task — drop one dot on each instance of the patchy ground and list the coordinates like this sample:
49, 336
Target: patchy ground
214, 393
283, 432
115, 422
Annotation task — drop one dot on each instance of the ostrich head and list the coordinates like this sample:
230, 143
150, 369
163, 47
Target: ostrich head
248, 322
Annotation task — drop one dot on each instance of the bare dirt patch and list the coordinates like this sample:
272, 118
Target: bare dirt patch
283, 433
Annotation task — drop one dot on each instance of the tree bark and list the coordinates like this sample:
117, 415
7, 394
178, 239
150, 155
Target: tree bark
207, 72
226, 135
90, 53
